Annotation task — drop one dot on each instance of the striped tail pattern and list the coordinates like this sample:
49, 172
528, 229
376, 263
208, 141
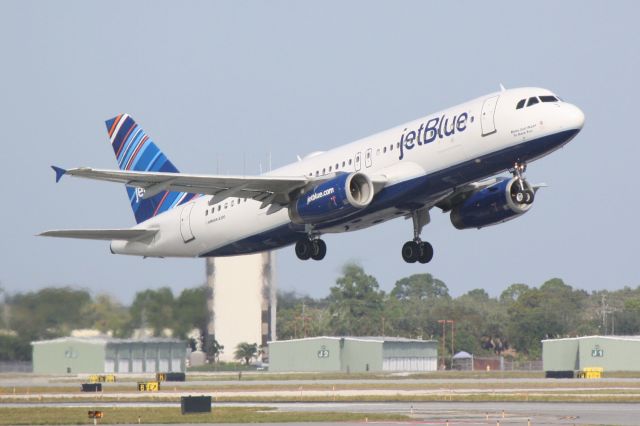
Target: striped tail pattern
134, 150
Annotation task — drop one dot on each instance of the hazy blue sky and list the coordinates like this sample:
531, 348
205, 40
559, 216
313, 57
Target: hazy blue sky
222, 84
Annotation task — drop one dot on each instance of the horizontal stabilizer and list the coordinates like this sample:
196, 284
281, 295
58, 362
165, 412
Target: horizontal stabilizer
59, 172
102, 234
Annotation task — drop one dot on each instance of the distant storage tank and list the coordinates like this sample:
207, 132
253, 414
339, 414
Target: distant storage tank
243, 300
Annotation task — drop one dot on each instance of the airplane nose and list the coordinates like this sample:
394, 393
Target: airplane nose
575, 117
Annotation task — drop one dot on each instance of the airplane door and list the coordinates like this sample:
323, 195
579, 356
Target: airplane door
358, 161
367, 158
185, 223
487, 116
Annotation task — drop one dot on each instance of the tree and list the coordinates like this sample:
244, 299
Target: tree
420, 287
191, 311
50, 312
511, 293
14, 348
246, 351
356, 303
153, 308
212, 348
554, 310
410, 309
108, 315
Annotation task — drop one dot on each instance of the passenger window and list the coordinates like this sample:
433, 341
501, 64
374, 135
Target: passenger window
206, 212
317, 173
324, 171
384, 150
336, 166
330, 169
532, 101
548, 98
219, 207
521, 103
349, 161
391, 147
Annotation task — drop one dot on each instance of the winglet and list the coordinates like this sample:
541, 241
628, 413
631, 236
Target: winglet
59, 172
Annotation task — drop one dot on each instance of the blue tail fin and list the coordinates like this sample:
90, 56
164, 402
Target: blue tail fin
135, 151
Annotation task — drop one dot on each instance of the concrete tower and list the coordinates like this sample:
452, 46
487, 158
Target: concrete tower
242, 302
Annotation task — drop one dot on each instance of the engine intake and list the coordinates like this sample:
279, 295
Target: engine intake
500, 202
339, 197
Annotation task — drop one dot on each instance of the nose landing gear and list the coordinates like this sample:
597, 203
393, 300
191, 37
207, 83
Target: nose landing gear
418, 250
521, 191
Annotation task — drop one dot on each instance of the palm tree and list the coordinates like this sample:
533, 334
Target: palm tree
245, 351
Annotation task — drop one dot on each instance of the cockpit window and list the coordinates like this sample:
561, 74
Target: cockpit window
520, 103
532, 101
548, 98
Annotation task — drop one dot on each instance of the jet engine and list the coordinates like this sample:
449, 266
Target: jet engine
339, 197
500, 202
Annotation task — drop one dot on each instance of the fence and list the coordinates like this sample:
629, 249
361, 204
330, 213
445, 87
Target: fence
496, 363
16, 367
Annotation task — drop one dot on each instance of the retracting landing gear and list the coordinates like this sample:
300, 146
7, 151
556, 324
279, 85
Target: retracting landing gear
418, 250
311, 247
521, 191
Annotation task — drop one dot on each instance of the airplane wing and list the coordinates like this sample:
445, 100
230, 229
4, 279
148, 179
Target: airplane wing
102, 234
268, 189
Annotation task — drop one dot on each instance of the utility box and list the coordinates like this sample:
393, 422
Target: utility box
171, 377
91, 387
195, 404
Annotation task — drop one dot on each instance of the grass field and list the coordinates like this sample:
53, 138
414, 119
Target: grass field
70, 416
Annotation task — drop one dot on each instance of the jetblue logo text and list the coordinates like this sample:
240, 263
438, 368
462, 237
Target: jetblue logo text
311, 198
437, 127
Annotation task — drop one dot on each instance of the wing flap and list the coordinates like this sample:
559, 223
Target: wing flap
102, 234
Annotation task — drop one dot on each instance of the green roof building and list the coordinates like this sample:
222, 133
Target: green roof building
82, 355
612, 353
353, 354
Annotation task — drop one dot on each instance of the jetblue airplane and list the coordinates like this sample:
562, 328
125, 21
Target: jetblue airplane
448, 160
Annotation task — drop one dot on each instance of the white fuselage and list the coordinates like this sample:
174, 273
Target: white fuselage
420, 161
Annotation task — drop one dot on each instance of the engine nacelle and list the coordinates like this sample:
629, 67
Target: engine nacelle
494, 204
339, 197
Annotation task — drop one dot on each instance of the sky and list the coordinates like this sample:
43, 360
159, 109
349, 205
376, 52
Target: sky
221, 87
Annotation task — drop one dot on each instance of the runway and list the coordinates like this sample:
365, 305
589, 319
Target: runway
436, 413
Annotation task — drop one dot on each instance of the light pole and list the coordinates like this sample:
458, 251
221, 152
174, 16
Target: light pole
444, 333
452, 322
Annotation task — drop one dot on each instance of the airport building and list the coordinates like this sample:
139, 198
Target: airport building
611, 353
353, 354
78, 355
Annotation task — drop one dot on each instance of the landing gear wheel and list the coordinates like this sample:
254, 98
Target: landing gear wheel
528, 196
426, 252
318, 249
410, 251
519, 197
304, 249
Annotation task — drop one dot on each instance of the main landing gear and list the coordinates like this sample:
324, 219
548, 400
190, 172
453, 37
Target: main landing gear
418, 250
311, 247
521, 191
